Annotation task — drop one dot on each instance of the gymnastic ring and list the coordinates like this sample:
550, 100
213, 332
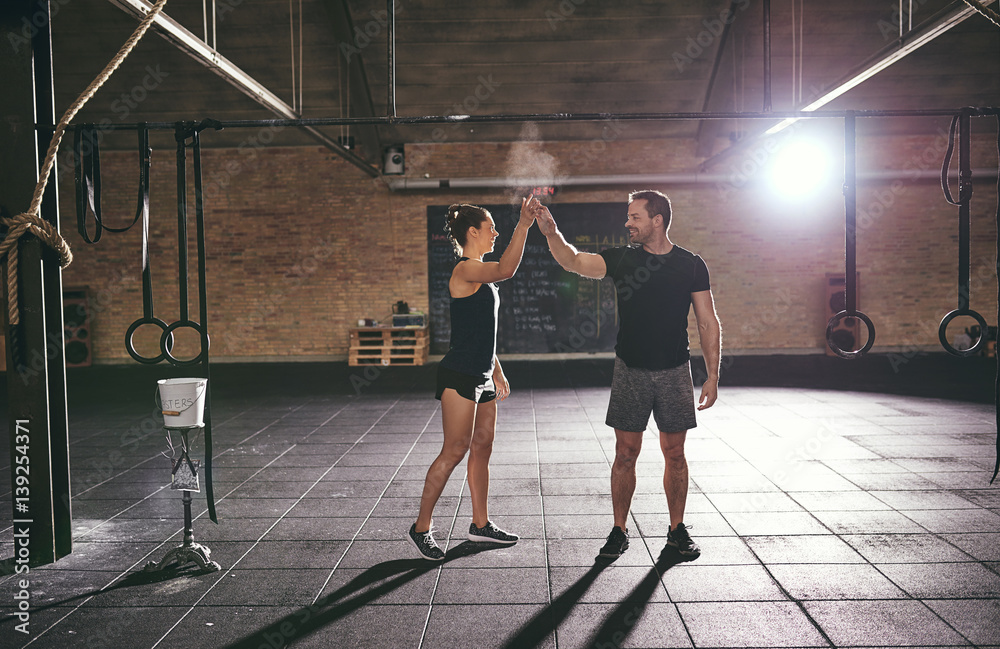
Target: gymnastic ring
130, 346
843, 353
946, 320
169, 332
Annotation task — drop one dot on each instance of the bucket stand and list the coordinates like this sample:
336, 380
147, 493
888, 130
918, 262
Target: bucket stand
189, 551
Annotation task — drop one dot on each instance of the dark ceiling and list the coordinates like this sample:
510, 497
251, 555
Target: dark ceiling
328, 59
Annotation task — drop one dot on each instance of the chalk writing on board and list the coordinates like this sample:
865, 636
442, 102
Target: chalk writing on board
543, 308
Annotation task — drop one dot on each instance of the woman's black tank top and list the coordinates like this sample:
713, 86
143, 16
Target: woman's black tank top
473, 332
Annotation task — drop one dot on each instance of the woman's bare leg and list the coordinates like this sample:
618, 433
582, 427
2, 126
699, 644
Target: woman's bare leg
458, 416
484, 431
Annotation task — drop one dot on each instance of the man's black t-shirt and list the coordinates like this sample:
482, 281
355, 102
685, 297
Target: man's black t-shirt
654, 298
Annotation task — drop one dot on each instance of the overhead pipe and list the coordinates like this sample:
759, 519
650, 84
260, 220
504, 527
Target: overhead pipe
201, 52
640, 180
548, 117
924, 33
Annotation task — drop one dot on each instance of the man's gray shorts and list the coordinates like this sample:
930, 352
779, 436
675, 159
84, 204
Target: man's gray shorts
668, 394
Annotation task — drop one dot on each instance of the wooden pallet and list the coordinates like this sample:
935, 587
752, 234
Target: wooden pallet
383, 356
388, 336
388, 346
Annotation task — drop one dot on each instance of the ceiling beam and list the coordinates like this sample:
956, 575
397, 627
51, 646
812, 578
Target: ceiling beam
708, 130
944, 20
197, 49
359, 94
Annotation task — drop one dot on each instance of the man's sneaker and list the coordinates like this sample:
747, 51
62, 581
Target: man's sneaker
617, 543
425, 544
679, 538
490, 533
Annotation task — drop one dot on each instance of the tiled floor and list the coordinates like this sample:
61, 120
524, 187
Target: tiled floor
826, 518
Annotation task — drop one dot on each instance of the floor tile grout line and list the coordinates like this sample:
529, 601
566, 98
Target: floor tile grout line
151, 495
440, 568
275, 523
928, 534
216, 456
130, 468
798, 602
144, 557
290, 412
873, 565
378, 500
151, 552
331, 418
148, 496
541, 507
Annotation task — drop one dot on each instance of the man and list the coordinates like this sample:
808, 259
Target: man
657, 282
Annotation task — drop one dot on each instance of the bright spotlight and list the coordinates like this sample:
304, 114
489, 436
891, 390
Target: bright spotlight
800, 168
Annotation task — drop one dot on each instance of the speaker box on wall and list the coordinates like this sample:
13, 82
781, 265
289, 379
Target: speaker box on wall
76, 327
847, 333
394, 162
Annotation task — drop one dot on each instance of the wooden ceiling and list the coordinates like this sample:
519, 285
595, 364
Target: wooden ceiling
328, 59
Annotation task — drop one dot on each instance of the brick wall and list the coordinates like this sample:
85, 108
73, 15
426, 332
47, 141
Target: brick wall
301, 244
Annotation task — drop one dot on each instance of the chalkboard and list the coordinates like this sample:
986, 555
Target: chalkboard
543, 308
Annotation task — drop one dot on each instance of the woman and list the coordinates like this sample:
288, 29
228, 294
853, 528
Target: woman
470, 378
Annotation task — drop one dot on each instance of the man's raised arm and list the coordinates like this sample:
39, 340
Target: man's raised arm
581, 263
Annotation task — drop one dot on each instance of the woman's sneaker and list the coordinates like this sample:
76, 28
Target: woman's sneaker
425, 544
680, 539
490, 533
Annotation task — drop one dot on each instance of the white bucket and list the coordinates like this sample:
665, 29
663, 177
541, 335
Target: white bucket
182, 402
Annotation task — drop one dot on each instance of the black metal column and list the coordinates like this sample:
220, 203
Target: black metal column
36, 374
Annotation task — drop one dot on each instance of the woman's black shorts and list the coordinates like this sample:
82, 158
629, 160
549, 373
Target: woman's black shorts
473, 388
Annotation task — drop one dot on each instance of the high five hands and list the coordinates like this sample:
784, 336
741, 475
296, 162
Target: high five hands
529, 210
540, 213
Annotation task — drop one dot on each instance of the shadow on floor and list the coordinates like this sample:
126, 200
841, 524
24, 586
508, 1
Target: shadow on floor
133, 580
617, 626
351, 596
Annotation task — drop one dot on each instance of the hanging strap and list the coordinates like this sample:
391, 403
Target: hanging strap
996, 352
963, 123
946, 165
850, 248
199, 211
182, 132
87, 171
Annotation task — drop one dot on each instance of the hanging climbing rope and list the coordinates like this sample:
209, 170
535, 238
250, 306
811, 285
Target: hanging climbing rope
31, 220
